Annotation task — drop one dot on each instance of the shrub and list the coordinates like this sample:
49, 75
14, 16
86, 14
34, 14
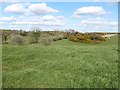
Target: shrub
86, 38
46, 41
34, 36
97, 38
17, 39
5, 36
57, 38
64, 37
74, 39
23, 33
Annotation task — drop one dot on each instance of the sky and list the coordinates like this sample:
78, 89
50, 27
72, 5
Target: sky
80, 16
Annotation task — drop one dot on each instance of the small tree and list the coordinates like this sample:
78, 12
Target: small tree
5, 36
34, 36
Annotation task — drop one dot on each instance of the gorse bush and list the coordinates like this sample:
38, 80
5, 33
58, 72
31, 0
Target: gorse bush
17, 39
86, 38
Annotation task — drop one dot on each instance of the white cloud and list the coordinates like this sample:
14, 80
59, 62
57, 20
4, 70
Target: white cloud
57, 23
98, 22
41, 8
7, 19
29, 9
90, 10
22, 22
15, 8
29, 22
49, 18
52, 18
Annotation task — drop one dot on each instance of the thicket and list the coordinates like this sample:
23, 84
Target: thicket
86, 38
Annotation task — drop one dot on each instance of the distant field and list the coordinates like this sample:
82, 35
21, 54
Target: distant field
62, 64
109, 35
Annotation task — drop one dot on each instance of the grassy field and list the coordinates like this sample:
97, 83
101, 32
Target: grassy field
62, 64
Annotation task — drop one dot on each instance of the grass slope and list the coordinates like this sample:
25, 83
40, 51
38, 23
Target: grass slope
62, 64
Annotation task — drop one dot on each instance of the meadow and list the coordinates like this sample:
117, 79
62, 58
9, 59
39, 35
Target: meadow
63, 64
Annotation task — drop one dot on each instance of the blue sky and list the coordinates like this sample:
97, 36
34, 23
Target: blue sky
81, 16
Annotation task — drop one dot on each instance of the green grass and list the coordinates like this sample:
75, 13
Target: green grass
62, 64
